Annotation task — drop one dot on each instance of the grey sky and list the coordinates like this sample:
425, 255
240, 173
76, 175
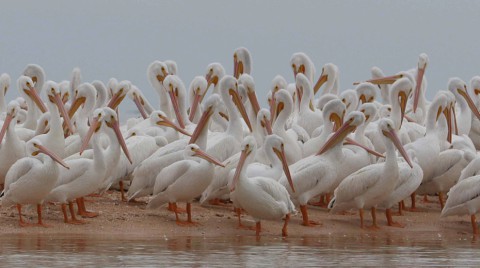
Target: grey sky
110, 38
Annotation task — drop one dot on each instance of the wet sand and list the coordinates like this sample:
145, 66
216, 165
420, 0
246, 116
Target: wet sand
133, 220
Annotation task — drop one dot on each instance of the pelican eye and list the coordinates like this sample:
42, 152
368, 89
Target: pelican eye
134, 134
192, 149
163, 68
211, 70
389, 109
111, 117
99, 114
293, 66
53, 90
363, 111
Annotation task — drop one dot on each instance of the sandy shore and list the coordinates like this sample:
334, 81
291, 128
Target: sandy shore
132, 219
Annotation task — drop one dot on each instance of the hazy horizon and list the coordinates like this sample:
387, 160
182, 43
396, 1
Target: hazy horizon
120, 39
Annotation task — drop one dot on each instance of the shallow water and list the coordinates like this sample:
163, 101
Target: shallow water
28, 250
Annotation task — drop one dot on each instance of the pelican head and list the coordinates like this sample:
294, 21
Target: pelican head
282, 104
248, 150
400, 91
159, 118
37, 74
350, 99
366, 92
334, 111
25, 86
352, 121
247, 81
118, 92
171, 66
242, 62
193, 150
387, 128
264, 120
301, 63
4, 83
229, 93
54, 96
197, 90
176, 90
34, 148
209, 107
215, 72
156, 73
81, 94
459, 89
12, 110
369, 110
329, 73
422, 65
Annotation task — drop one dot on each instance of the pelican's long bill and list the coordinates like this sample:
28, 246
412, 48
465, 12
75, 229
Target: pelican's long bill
77, 102
196, 101
370, 151
252, 96
267, 125
243, 156
392, 135
55, 157
167, 123
94, 127
386, 80
6, 123
116, 128
470, 102
63, 111
201, 124
208, 157
281, 155
238, 102
338, 136
176, 107
403, 105
416, 97
321, 80
138, 103
116, 99
32, 93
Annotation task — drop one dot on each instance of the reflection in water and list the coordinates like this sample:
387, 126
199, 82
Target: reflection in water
62, 251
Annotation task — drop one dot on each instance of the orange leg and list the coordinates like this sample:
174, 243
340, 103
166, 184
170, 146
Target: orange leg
173, 207
82, 211
374, 219
306, 221
22, 223
440, 199
217, 202
189, 215
39, 213
320, 203
122, 192
360, 212
284, 229
413, 207
474, 224
240, 225
64, 211
390, 221
72, 213
258, 229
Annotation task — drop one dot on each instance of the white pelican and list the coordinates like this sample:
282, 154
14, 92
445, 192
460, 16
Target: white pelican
349, 98
329, 77
283, 109
253, 107
372, 184
197, 89
260, 197
31, 178
32, 90
144, 175
13, 148
242, 62
84, 96
4, 86
276, 164
466, 106
75, 80
306, 118
464, 198
408, 181
333, 113
30, 94
86, 175
55, 139
184, 180
142, 103
215, 73
301, 63
384, 88
156, 73
101, 95
475, 128
320, 174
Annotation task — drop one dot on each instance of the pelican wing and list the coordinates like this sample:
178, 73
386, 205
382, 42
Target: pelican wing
463, 191
77, 168
18, 170
170, 174
358, 183
272, 188
447, 160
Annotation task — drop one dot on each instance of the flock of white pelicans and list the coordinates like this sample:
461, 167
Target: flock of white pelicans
313, 145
